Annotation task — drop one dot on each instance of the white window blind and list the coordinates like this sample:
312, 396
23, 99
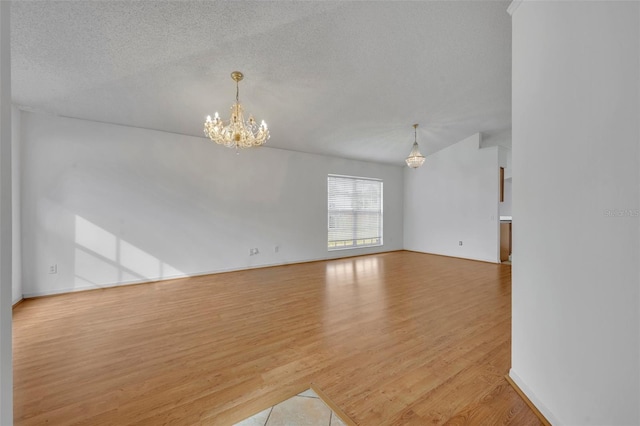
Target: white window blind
355, 212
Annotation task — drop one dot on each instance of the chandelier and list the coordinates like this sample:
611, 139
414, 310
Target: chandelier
415, 159
236, 132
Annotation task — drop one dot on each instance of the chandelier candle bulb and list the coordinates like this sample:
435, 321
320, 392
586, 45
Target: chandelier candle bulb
236, 133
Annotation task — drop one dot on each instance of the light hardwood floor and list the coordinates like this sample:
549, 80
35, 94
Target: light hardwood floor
398, 338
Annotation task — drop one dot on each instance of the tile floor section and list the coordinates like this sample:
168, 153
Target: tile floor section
304, 409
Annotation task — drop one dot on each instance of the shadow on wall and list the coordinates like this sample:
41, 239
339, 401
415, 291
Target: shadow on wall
101, 256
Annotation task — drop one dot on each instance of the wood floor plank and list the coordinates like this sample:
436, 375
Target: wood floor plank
397, 338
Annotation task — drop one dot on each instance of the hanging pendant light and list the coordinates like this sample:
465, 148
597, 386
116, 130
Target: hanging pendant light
415, 159
236, 133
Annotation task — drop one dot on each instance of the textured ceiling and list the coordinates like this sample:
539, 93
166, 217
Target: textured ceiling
339, 78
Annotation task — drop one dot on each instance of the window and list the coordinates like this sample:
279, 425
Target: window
354, 212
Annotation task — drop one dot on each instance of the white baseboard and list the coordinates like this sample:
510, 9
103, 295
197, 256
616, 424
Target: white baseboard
198, 274
533, 398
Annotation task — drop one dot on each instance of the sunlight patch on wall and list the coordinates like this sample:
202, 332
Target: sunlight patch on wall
102, 258
139, 261
93, 269
95, 239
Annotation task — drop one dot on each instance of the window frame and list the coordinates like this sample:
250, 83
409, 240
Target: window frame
333, 214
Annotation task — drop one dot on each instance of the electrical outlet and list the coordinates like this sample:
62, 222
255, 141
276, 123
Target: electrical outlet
53, 269
253, 251
459, 243
276, 249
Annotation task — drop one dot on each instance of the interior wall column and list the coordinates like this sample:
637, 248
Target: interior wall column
6, 360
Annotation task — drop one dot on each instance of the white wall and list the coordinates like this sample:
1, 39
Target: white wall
16, 269
454, 197
109, 204
575, 347
6, 224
